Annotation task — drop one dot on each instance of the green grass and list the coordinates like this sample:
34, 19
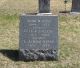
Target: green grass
9, 26
69, 47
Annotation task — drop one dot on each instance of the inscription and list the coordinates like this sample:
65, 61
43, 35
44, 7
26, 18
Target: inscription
39, 41
42, 31
33, 20
39, 32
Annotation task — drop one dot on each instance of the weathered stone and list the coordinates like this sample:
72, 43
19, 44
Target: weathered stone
38, 37
30, 55
44, 6
75, 6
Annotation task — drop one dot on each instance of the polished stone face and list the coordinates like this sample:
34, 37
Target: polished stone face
39, 36
44, 6
39, 32
75, 6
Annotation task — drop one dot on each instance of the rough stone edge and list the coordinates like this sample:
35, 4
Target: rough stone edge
32, 55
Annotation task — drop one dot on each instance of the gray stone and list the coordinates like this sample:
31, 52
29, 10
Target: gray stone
28, 55
75, 6
38, 37
38, 32
44, 6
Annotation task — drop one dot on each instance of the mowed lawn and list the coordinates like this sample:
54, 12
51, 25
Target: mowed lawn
69, 36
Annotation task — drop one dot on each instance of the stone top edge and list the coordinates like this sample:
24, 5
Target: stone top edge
38, 14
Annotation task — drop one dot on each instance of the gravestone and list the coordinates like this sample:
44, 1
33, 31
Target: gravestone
38, 36
44, 6
75, 6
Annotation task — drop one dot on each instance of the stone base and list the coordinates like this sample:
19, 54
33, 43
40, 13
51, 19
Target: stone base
75, 10
31, 55
75, 13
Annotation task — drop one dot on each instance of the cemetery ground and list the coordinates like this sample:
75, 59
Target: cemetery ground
69, 44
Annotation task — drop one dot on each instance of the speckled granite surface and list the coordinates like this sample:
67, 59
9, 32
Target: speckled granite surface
31, 55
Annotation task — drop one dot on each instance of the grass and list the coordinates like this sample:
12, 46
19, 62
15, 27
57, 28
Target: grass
8, 31
69, 28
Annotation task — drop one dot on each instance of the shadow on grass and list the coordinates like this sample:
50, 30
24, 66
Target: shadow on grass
64, 11
14, 55
11, 54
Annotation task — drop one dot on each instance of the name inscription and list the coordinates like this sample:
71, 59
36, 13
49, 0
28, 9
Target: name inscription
39, 33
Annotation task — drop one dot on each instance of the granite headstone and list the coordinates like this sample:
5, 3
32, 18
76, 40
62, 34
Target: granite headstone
38, 36
44, 6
